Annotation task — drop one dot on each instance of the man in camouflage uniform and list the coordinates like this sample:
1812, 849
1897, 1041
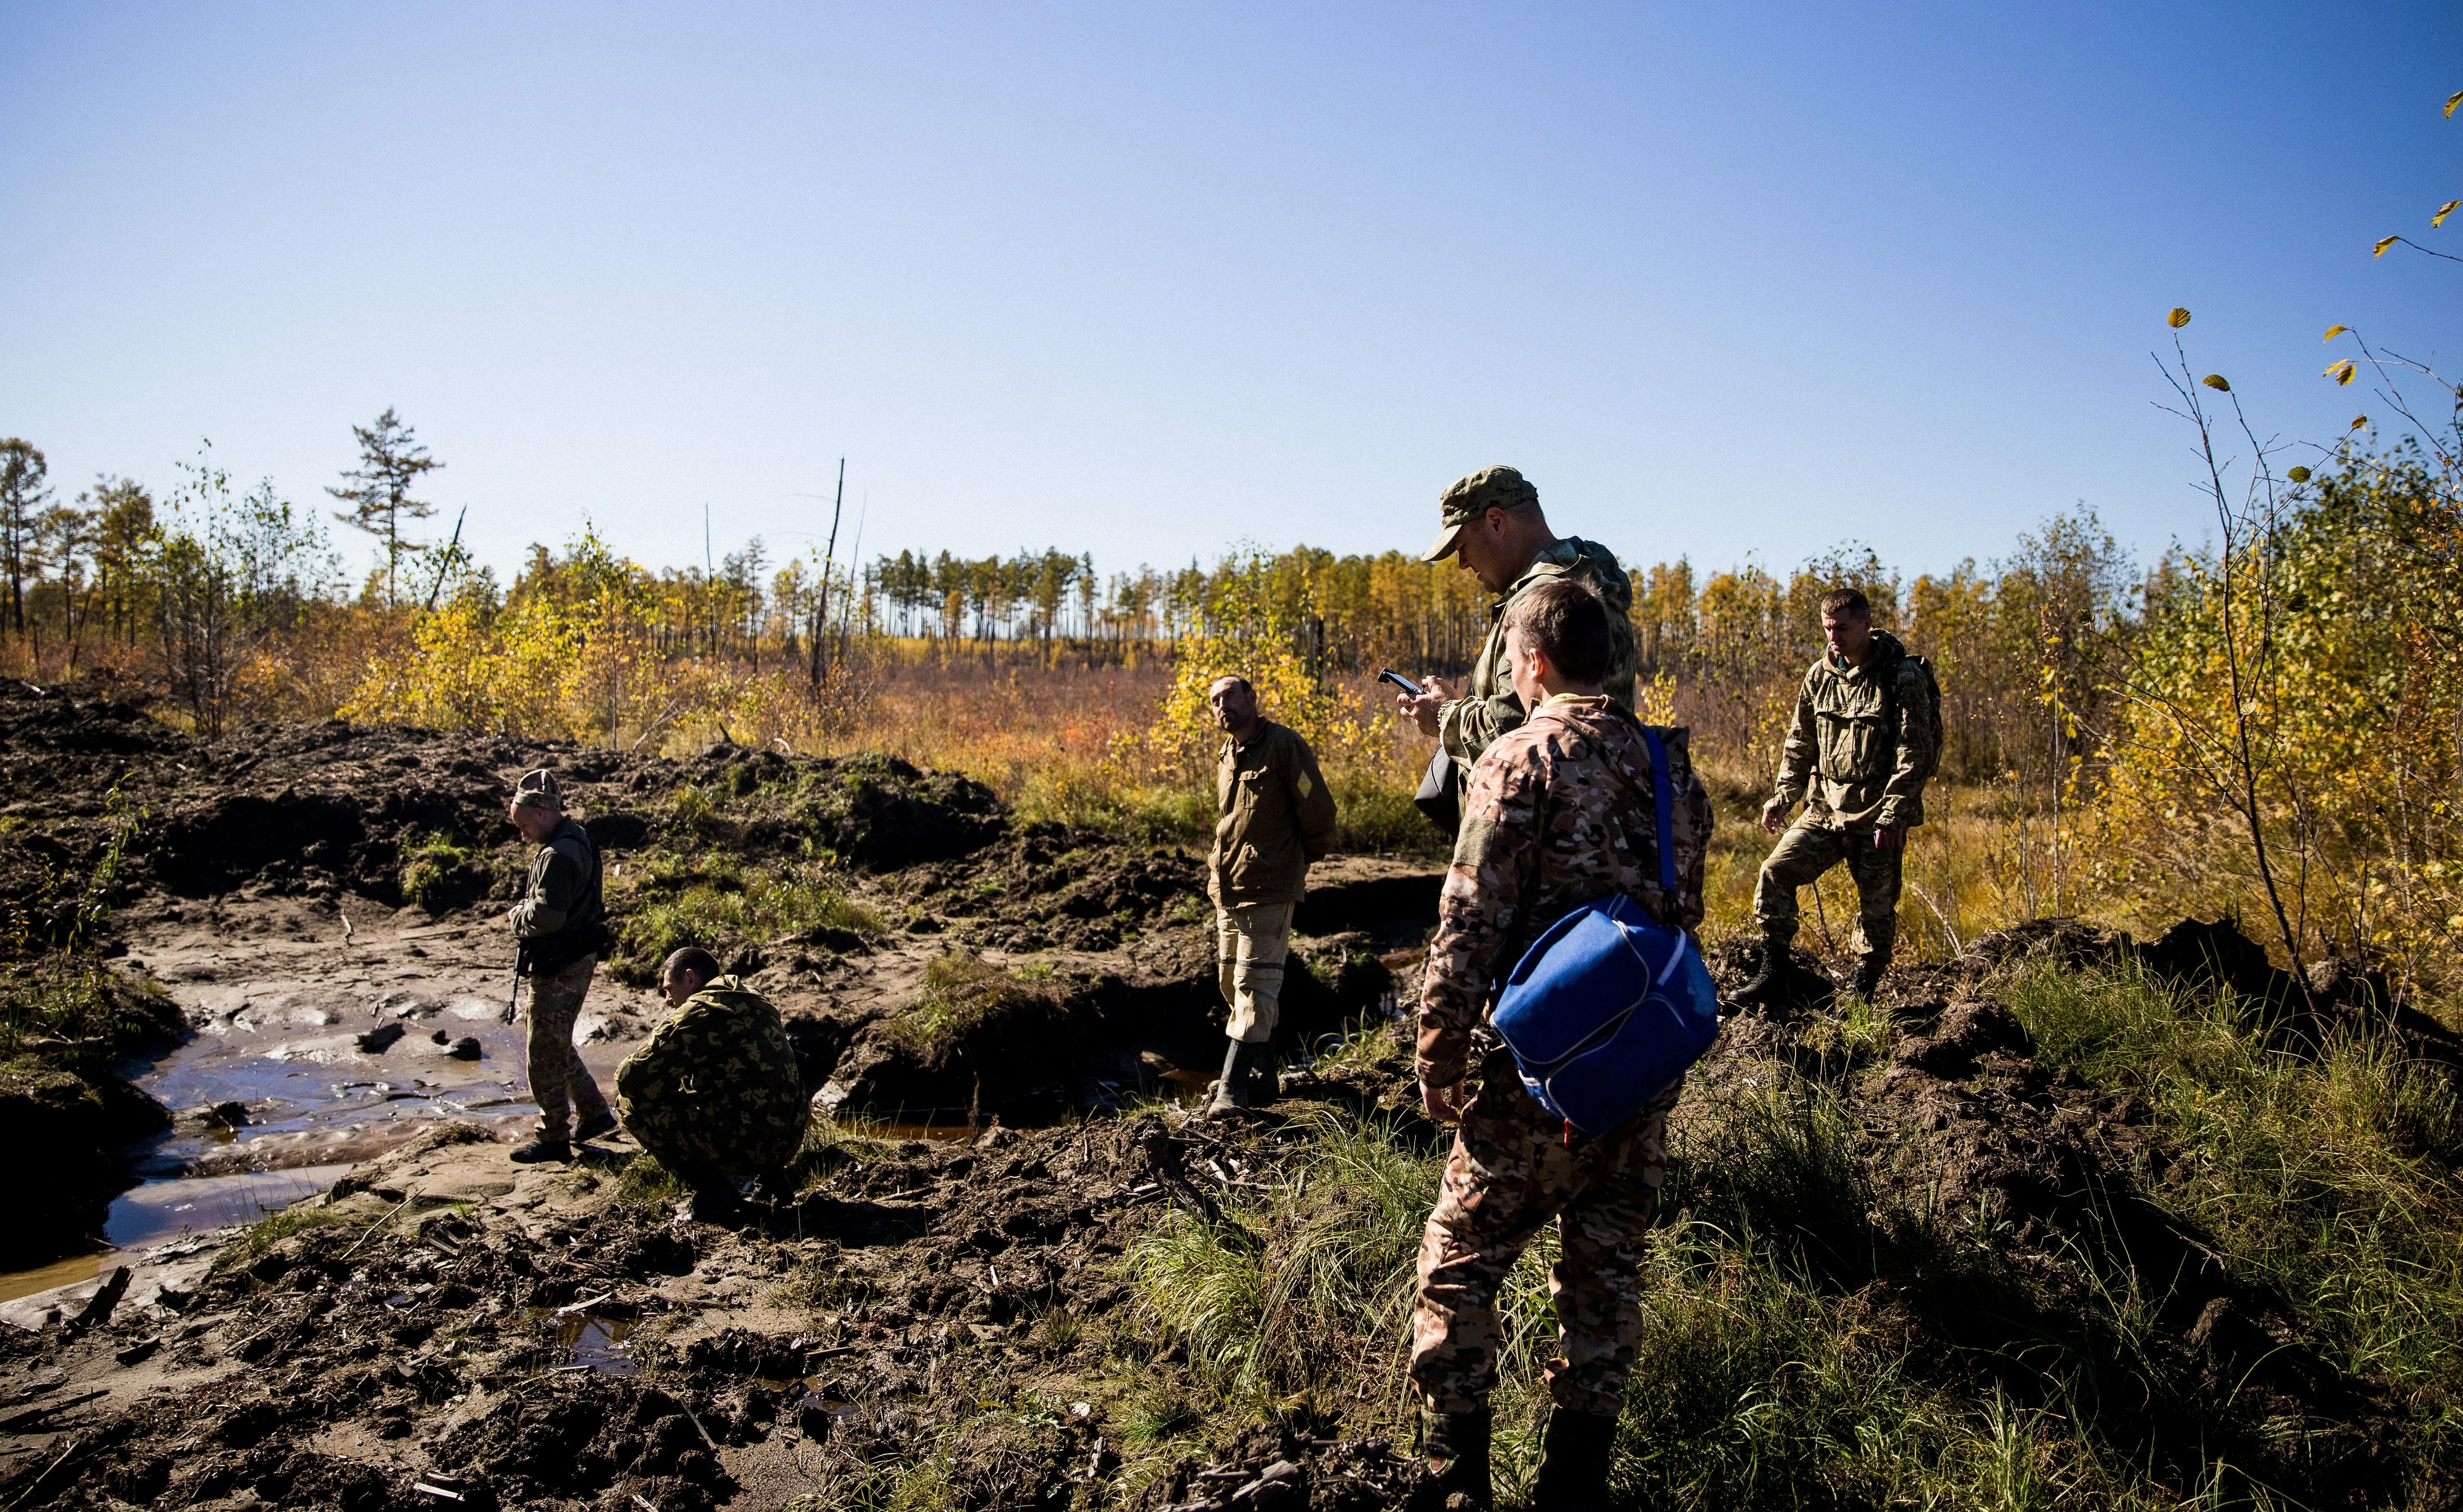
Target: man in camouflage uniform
715, 1092
1864, 739
562, 925
1275, 817
1559, 811
1491, 523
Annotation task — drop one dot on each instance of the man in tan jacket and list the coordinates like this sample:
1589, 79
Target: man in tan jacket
1276, 816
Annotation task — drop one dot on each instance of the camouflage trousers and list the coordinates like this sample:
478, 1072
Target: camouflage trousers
1251, 941
739, 1131
1807, 850
559, 1083
1513, 1169
684, 1135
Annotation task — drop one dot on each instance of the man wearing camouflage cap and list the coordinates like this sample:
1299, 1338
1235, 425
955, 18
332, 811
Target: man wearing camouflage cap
1491, 523
562, 925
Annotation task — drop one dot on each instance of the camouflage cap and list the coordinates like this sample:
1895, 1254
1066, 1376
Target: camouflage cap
537, 790
1469, 498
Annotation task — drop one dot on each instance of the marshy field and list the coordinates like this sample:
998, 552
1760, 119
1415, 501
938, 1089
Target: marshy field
2136, 1187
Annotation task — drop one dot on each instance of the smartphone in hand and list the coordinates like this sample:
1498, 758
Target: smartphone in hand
1389, 674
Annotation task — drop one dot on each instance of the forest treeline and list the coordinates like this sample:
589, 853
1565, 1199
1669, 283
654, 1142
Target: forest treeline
2266, 724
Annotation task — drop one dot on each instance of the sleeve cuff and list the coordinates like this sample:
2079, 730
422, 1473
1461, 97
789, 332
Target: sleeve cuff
1443, 1056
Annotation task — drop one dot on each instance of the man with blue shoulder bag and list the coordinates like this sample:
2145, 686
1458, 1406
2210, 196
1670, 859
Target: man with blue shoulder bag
1574, 887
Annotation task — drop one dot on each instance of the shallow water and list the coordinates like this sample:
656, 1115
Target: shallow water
276, 1015
584, 1341
166, 1210
154, 1212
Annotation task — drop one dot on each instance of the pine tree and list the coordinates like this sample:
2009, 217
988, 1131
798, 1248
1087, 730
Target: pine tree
22, 492
391, 460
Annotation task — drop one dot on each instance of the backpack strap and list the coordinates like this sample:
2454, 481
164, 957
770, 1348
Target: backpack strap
1663, 789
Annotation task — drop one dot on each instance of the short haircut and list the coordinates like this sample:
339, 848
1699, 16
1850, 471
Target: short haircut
1229, 677
1569, 625
1847, 602
691, 961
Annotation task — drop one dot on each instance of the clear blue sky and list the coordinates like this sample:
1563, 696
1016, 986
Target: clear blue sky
1149, 278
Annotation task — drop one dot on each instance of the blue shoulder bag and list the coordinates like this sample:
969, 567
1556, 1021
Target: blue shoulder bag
1607, 1009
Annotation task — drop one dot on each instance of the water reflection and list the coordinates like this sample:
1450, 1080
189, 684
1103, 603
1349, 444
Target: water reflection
165, 1210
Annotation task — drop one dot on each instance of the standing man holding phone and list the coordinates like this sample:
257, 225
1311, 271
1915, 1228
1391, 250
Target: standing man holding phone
1866, 737
1491, 523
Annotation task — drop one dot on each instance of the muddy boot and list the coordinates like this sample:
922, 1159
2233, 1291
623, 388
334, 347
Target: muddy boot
715, 1198
541, 1149
1232, 1090
591, 1128
717, 1205
1268, 1085
1869, 972
1455, 1448
1574, 1463
1765, 988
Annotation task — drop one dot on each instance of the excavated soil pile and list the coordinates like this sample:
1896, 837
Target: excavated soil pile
320, 807
1959, 1130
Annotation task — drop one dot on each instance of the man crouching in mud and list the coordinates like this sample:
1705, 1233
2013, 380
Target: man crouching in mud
562, 925
715, 1093
1559, 811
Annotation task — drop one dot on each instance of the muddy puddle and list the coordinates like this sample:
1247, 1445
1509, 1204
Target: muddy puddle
314, 1045
584, 1341
310, 1050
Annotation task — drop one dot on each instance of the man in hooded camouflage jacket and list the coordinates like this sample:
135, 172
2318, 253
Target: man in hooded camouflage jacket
1560, 812
1863, 740
715, 1092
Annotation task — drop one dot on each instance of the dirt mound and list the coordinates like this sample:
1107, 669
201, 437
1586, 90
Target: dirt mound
1030, 1039
1049, 886
1993, 1202
322, 807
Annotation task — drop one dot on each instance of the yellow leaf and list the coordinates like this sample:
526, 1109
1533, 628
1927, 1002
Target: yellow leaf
2443, 211
2341, 372
2332, 331
2358, 420
2453, 101
2215, 380
2299, 475
2179, 318
2379, 250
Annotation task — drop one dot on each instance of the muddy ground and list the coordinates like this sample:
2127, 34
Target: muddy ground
943, 1316
291, 889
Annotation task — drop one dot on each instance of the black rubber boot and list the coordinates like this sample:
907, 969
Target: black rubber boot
1232, 1090
1574, 1463
1764, 990
1268, 1085
1455, 1448
1869, 972
541, 1149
